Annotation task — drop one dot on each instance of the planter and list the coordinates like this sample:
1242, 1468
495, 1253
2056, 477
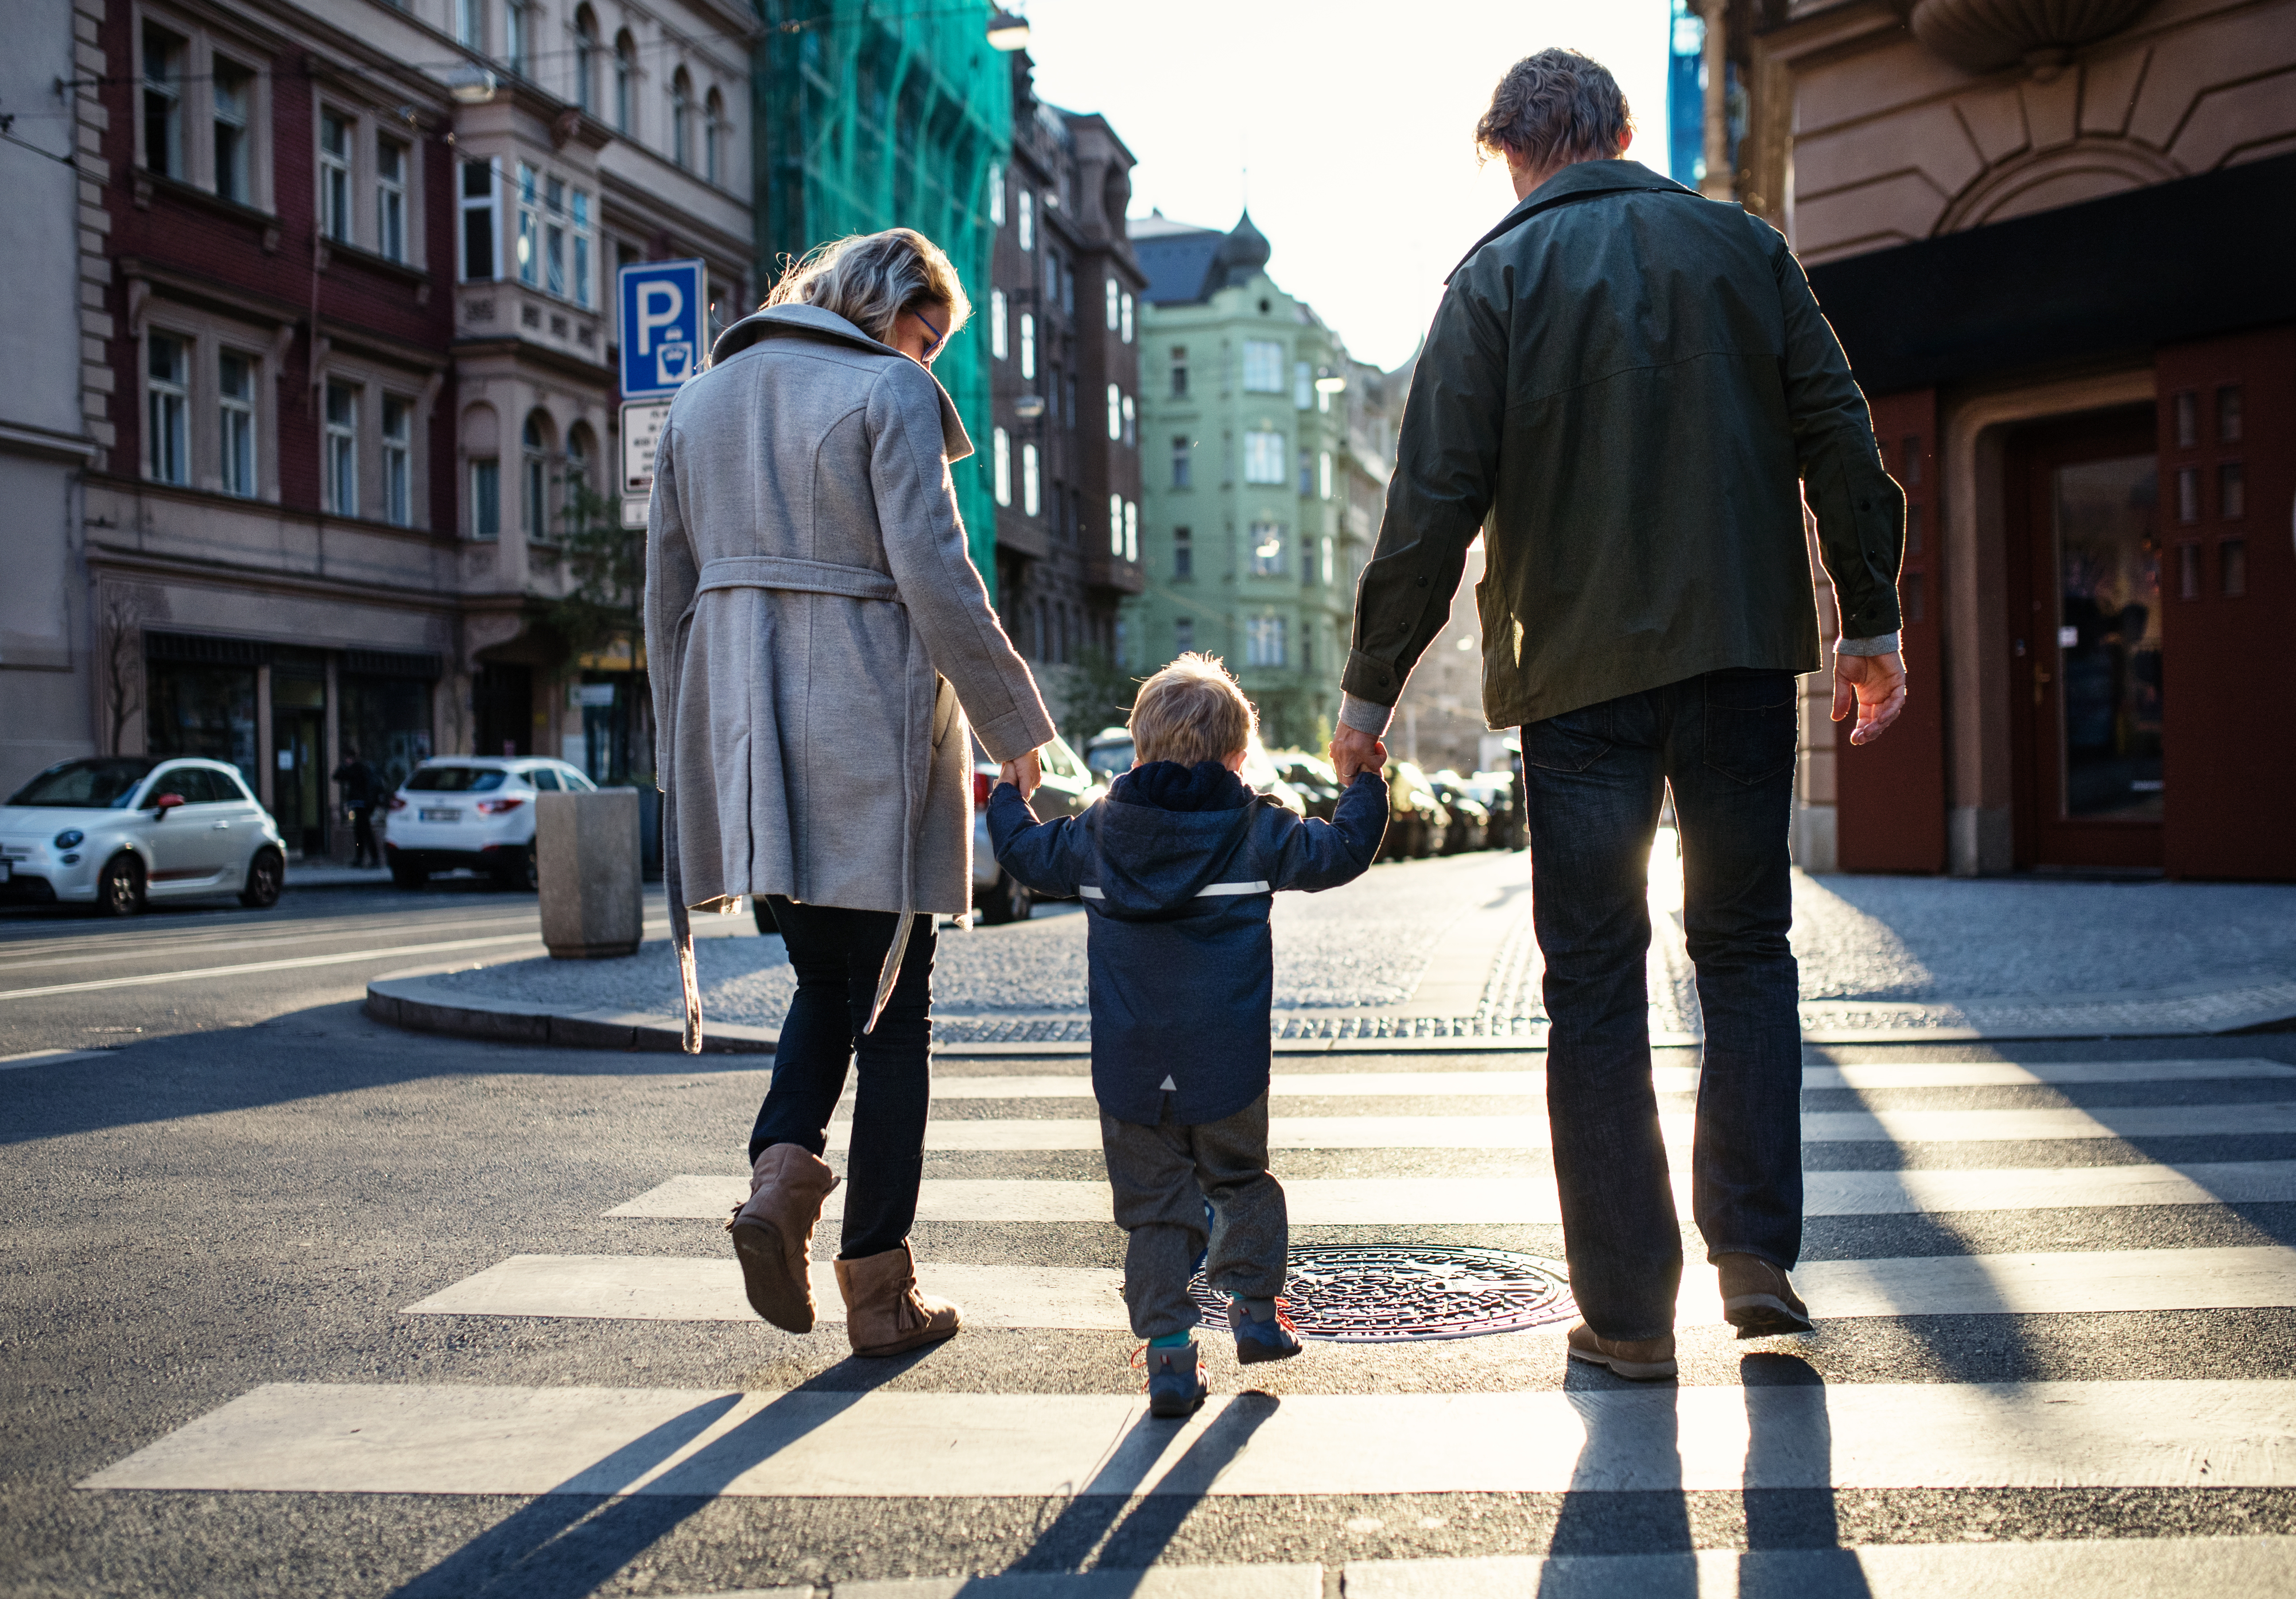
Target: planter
587, 865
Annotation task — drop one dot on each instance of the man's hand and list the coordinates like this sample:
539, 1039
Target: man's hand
1354, 751
1876, 685
1026, 774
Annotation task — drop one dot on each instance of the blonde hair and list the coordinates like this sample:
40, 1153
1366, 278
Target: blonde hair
1191, 711
870, 279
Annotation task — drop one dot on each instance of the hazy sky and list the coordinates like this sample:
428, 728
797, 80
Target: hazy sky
1357, 121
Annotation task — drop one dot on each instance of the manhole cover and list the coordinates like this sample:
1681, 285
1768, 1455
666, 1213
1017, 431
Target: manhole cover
1374, 1295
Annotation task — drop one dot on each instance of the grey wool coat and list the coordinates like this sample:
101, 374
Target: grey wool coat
816, 636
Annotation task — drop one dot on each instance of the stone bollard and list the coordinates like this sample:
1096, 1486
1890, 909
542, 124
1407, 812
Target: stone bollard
586, 860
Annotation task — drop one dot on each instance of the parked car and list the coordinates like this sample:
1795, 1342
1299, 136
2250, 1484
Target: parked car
1417, 824
1311, 778
1469, 817
475, 811
1070, 786
1499, 792
117, 832
1110, 754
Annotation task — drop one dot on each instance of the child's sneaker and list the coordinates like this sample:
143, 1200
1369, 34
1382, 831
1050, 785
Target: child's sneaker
1177, 1383
1275, 1339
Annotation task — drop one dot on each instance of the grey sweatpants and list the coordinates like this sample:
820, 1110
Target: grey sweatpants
1162, 1175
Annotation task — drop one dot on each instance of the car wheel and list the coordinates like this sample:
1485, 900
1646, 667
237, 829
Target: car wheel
120, 891
1009, 901
520, 873
266, 874
405, 874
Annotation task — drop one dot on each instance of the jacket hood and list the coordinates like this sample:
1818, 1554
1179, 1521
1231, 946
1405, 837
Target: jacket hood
812, 322
1150, 860
1166, 785
1581, 180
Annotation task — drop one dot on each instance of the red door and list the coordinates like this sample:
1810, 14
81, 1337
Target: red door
2228, 470
2087, 645
1890, 795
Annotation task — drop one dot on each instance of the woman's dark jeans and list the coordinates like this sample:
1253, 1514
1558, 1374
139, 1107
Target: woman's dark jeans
838, 954
1594, 778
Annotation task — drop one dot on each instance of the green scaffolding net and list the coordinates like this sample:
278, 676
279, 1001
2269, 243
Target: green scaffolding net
890, 114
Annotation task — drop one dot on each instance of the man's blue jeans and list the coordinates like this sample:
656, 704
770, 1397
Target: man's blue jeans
1594, 778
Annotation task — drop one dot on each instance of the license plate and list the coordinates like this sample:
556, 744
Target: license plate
439, 815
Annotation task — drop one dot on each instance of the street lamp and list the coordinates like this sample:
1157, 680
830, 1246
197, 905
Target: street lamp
1008, 31
471, 83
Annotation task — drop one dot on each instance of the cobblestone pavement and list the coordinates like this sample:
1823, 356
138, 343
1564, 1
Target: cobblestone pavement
1444, 947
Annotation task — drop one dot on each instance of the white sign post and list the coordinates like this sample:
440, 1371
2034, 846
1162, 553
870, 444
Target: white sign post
641, 425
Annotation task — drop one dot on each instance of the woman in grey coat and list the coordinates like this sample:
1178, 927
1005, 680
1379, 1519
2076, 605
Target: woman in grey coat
818, 641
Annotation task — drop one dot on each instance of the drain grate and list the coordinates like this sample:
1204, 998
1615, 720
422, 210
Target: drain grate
1348, 1295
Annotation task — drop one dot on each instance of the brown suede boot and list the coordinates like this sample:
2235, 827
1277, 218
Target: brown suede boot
1758, 1297
1644, 1359
884, 1312
773, 1234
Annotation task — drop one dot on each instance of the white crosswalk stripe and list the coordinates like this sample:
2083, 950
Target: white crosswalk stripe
910, 1441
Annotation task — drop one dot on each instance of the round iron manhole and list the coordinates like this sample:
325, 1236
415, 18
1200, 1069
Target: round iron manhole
1348, 1294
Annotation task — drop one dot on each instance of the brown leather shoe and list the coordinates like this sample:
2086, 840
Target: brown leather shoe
1757, 1299
884, 1312
1644, 1359
773, 1234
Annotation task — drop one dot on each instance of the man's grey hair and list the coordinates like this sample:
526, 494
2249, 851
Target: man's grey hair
870, 279
1552, 108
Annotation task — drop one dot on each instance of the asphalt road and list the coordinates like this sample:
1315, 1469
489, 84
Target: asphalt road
233, 1201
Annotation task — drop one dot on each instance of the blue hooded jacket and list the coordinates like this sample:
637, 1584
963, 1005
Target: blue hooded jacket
1177, 868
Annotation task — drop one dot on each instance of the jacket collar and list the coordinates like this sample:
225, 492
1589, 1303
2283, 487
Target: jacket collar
1581, 180
814, 323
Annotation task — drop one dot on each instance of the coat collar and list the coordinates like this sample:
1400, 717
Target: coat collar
1580, 180
813, 322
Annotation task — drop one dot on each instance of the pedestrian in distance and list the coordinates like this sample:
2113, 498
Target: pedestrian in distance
1630, 392
820, 641
359, 782
1177, 867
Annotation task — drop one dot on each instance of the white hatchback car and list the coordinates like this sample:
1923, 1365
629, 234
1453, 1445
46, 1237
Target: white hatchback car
471, 810
118, 831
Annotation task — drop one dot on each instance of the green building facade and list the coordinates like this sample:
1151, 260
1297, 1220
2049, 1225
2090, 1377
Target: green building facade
1243, 438
865, 122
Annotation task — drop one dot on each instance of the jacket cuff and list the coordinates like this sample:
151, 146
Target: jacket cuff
1368, 677
1885, 643
1013, 734
1365, 716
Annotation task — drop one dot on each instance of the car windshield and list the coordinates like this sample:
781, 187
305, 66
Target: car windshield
455, 780
1109, 757
106, 783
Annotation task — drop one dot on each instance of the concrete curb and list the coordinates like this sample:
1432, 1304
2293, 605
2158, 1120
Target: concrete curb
422, 1005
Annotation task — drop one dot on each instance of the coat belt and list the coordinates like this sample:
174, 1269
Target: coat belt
800, 576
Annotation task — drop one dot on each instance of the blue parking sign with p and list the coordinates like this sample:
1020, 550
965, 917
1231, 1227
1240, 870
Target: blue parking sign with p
662, 313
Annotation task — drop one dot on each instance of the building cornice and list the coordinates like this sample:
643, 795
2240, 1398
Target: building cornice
22, 439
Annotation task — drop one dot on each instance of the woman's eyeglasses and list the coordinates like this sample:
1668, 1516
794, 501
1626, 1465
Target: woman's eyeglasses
939, 338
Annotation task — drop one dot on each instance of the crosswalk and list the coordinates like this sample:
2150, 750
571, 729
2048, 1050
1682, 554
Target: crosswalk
2057, 1205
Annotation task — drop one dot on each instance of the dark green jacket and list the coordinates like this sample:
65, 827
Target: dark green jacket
1630, 387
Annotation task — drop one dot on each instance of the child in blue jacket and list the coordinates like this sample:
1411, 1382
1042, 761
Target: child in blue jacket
1177, 868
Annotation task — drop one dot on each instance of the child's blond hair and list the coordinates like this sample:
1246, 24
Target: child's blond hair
1191, 711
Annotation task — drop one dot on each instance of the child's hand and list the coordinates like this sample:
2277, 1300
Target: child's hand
1025, 774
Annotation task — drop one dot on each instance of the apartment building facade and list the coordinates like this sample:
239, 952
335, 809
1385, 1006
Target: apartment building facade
1062, 325
352, 291
1247, 553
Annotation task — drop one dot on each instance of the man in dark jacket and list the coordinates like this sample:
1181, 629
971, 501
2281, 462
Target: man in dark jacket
1177, 868
1630, 393
359, 782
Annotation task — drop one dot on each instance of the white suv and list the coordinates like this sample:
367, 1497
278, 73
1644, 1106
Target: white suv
474, 811
117, 830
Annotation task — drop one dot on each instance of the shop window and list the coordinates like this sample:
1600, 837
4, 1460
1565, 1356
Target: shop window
233, 89
168, 407
335, 177
341, 447
2232, 566
163, 102
235, 421
387, 721
2228, 414
203, 709
398, 461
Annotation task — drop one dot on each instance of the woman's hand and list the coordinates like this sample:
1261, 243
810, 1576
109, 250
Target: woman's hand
1026, 775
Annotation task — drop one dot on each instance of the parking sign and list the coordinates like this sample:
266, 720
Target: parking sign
662, 313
